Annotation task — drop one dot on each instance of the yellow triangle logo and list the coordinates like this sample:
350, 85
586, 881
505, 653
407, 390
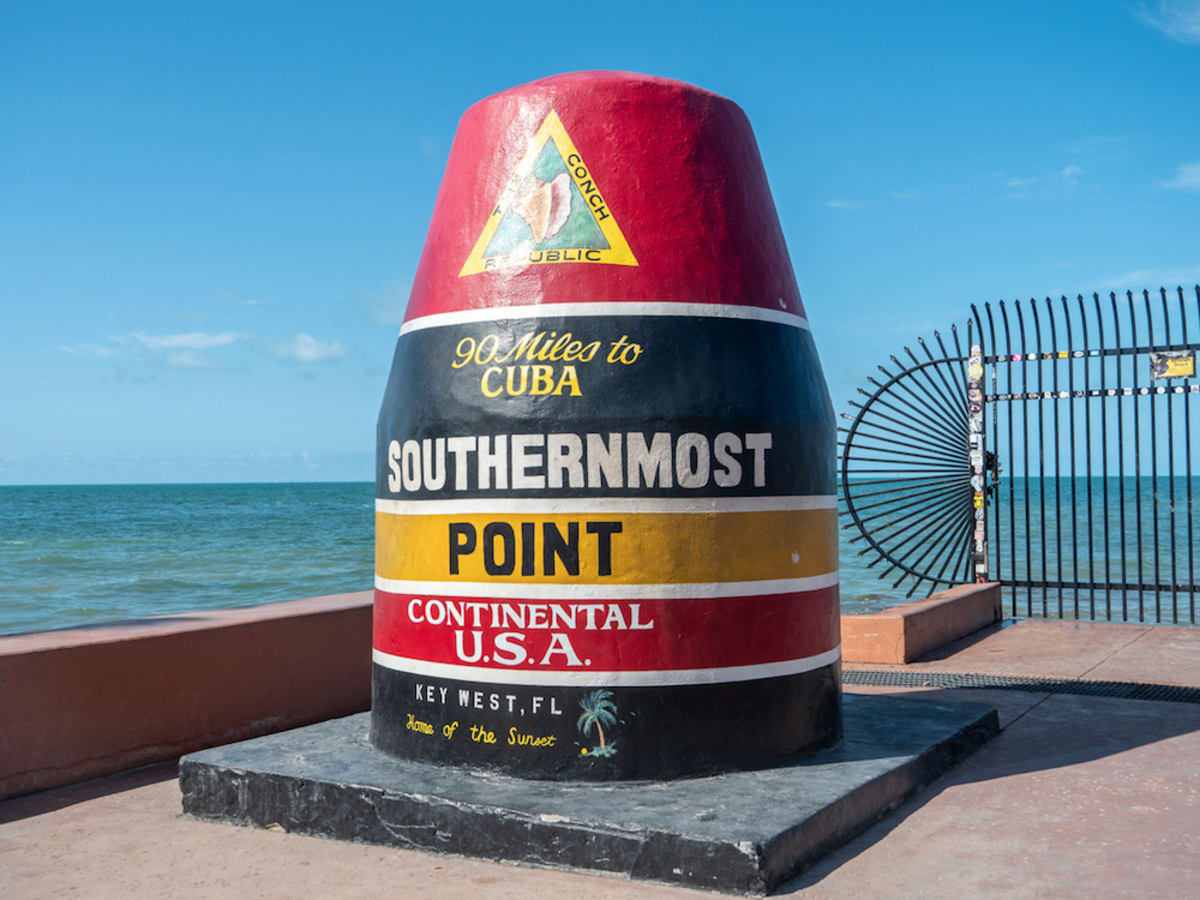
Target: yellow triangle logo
551, 211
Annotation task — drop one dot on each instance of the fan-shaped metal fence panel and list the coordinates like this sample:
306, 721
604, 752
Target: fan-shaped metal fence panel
905, 471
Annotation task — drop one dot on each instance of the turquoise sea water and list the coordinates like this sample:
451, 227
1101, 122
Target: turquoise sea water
1140, 531
78, 555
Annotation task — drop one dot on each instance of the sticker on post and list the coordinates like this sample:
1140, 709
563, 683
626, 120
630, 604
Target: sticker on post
1173, 364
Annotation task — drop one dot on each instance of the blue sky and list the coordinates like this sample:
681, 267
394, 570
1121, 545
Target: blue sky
210, 213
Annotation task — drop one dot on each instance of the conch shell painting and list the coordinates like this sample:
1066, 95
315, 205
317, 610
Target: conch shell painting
544, 210
545, 206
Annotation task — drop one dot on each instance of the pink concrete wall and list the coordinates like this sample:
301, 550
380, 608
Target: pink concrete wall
901, 634
82, 702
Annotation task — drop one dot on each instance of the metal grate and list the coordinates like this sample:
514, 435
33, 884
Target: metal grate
1125, 690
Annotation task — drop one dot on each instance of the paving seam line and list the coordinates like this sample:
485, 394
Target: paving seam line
1117, 650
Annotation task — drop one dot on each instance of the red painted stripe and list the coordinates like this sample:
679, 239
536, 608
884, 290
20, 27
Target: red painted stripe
693, 633
678, 168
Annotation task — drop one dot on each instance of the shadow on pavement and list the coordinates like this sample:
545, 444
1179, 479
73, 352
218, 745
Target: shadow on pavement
1051, 731
40, 802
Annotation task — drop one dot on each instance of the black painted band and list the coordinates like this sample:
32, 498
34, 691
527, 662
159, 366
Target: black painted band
716, 379
606, 734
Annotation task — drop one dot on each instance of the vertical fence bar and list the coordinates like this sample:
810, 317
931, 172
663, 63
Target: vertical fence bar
1012, 505
1170, 465
1041, 417
1025, 458
1137, 460
1187, 439
997, 484
1104, 461
1087, 444
1153, 458
1071, 426
1058, 516
1125, 562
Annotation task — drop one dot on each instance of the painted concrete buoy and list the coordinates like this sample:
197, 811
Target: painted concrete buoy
606, 541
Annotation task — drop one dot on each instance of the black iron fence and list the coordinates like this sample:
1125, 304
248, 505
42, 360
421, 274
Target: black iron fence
905, 472
1052, 452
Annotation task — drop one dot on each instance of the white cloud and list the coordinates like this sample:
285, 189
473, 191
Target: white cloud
1153, 278
1187, 178
304, 348
1177, 19
179, 351
842, 203
85, 349
1017, 182
1070, 174
192, 340
905, 195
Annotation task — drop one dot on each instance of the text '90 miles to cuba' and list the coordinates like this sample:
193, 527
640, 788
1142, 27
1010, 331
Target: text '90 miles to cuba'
539, 363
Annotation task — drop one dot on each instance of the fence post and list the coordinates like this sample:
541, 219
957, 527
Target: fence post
976, 450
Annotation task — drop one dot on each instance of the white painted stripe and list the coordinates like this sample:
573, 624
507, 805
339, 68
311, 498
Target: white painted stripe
492, 675
585, 505
518, 590
552, 310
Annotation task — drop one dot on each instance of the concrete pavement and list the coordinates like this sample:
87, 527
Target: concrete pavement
1079, 796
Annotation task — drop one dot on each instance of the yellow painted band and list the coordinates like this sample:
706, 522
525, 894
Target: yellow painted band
650, 548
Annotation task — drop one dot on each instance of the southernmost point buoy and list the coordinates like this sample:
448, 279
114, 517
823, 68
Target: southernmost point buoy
606, 540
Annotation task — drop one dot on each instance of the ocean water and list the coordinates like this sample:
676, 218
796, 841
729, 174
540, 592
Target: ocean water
1132, 530
79, 555
1098, 533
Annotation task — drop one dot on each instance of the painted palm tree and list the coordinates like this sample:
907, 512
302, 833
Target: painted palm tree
598, 711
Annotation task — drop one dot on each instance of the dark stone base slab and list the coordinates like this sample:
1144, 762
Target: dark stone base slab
742, 832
